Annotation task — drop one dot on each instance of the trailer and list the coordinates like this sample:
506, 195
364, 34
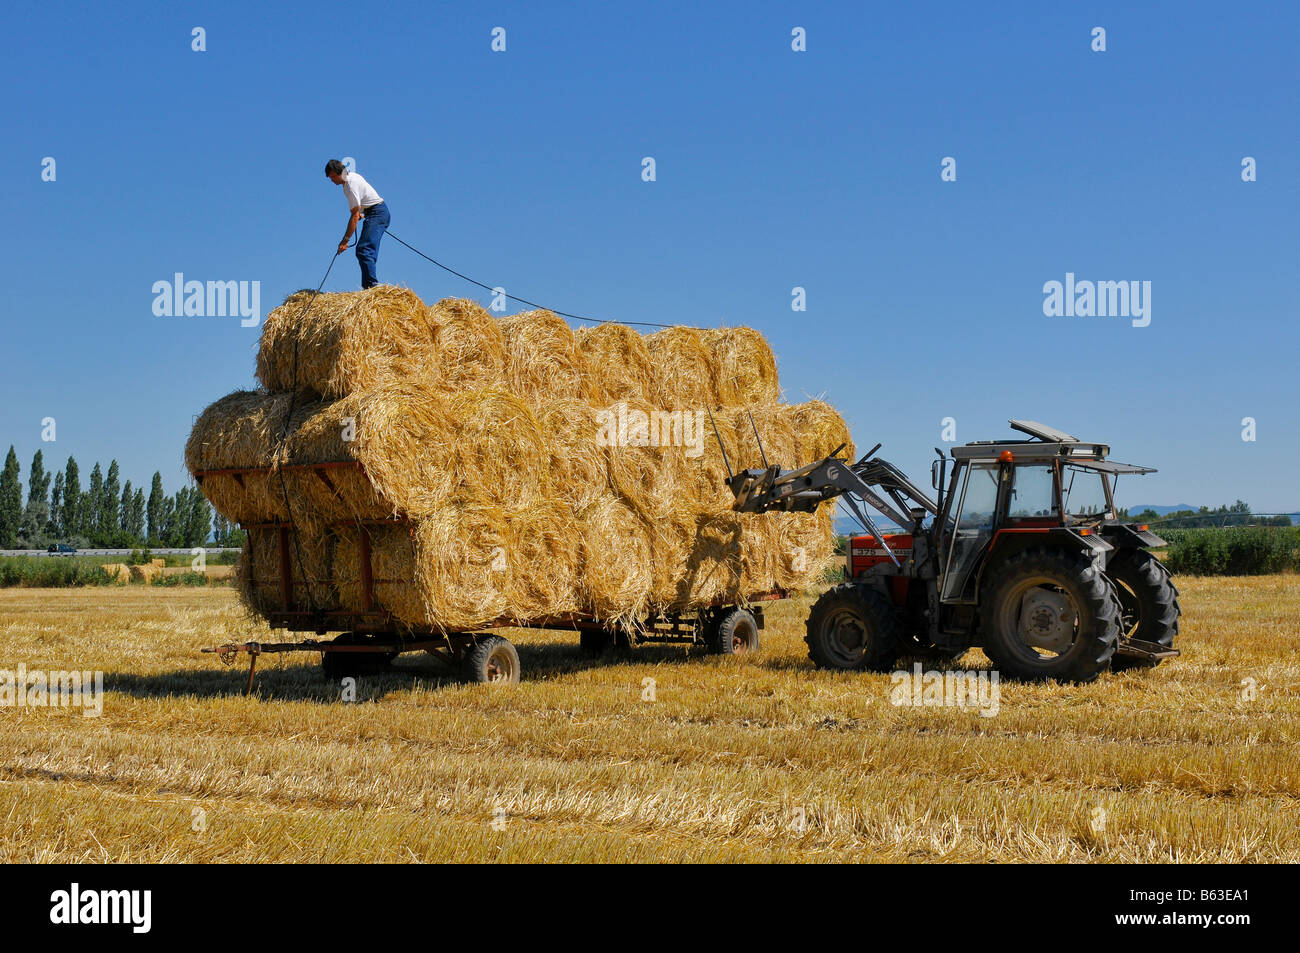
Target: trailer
369, 638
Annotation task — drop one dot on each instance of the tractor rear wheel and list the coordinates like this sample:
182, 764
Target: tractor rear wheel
491, 659
1049, 614
853, 627
1148, 602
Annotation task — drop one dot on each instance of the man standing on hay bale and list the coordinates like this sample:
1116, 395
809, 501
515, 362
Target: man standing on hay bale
362, 200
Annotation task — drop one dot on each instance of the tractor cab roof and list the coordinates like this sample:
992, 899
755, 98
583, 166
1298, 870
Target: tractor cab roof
1046, 443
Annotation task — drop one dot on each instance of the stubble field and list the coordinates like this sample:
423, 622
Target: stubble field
760, 759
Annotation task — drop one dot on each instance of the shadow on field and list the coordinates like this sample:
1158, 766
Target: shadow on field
299, 677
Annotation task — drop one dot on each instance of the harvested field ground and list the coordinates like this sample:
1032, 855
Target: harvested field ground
1165, 765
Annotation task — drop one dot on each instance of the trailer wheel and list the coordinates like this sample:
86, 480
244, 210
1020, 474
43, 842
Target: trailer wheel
853, 627
1148, 603
491, 659
337, 665
595, 642
735, 633
1049, 614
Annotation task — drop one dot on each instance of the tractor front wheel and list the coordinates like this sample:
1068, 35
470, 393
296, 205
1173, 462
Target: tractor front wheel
1049, 614
853, 627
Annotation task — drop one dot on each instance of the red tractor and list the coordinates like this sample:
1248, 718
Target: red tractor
1021, 554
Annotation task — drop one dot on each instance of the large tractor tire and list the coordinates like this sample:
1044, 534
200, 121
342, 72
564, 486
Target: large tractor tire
1049, 614
854, 627
1148, 602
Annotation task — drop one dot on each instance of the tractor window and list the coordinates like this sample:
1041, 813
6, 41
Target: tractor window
974, 527
1084, 492
1033, 494
981, 498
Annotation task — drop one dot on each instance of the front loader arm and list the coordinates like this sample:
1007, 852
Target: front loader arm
804, 489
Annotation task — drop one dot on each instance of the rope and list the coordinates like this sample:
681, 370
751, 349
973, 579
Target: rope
531, 304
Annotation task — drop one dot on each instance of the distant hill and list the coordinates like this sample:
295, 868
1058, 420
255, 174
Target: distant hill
1162, 510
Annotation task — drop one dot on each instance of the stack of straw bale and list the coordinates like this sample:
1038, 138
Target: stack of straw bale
512, 458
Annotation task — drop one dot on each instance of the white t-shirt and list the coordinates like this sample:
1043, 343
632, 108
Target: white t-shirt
358, 191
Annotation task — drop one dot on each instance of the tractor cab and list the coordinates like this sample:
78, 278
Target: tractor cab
1006, 495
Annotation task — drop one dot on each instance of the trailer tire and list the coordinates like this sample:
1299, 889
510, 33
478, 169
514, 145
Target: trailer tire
491, 659
1148, 602
338, 665
1042, 599
853, 627
596, 642
736, 633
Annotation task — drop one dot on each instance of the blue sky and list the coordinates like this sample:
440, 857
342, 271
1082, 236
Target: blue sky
775, 169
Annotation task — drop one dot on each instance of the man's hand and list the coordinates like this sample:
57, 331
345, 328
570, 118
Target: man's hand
343, 246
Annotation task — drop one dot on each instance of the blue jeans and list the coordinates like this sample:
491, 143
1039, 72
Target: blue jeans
373, 227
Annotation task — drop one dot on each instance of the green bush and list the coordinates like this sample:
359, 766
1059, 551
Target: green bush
51, 572
1235, 551
182, 579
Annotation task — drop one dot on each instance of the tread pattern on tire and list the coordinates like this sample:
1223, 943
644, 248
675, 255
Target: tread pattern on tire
1157, 597
476, 656
879, 616
721, 641
1097, 639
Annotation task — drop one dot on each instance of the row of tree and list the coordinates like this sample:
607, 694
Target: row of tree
107, 514
1234, 514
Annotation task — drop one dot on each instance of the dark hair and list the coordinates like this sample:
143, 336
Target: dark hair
334, 167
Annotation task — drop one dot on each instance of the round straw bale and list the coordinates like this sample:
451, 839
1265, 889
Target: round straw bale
258, 572
617, 363
462, 566
819, 429
576, 459
118, 572
392, 569
775, 428
706, 472
805, 545
745, 366
713, 567
645, 468
342, 431
240, 430
145, 572
471, 347
614, 580
684, 374
542, 359
337, 343
541, 554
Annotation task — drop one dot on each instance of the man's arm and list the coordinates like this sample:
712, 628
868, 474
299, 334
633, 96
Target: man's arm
352, 227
